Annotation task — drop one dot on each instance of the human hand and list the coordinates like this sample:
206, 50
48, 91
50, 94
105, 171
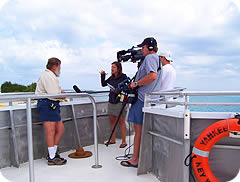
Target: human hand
102, 72
132, 85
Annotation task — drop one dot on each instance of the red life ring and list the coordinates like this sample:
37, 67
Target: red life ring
204, 144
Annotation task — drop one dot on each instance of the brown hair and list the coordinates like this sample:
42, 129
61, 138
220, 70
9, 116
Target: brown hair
119, 68
53, 62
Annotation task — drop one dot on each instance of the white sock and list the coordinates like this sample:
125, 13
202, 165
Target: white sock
55, 148
51, 152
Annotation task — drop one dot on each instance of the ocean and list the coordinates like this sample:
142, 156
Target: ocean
201, 99
215, 99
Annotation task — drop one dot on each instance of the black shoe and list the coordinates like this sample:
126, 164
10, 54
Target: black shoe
56, 156
56, 161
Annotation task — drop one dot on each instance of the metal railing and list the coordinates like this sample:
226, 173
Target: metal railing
186, 94
28, 98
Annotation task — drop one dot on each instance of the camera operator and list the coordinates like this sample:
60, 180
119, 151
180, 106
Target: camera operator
148, 80
114, 104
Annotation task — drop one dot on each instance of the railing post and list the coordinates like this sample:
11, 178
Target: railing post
186, 101
30, 140
95, 133
146, 100
13, 134
76, 126
187, 121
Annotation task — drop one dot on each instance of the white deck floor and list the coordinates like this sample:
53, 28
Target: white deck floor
79, 169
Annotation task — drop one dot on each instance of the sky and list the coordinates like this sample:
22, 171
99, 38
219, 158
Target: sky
202, 36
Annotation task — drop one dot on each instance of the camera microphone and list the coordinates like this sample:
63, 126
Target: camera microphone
75, 87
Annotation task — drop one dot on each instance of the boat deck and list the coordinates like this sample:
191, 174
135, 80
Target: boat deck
79, 169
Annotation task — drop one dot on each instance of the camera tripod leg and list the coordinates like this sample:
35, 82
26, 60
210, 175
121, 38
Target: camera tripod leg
121, 111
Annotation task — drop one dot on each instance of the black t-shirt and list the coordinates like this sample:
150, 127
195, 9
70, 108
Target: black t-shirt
114, 82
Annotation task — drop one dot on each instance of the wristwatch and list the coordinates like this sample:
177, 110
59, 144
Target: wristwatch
136, 83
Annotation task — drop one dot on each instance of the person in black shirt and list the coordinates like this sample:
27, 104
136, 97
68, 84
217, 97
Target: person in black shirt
114, 104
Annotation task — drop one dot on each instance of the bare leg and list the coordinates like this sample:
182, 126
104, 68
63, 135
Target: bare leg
59, 132
113, 121
123, 129
50, 132
137, 142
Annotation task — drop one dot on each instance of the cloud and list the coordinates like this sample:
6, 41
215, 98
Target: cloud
2, 3
199, 60
202, 35
230, 72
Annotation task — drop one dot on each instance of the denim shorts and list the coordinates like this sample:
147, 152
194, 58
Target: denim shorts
135, 114
49, 110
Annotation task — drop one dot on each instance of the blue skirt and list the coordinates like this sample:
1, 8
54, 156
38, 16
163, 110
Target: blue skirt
49, 110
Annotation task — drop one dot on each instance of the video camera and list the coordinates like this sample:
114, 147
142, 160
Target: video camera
132, 54
124, 85
125, 91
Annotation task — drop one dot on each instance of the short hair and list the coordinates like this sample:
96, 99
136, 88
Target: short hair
53, 62
119, 68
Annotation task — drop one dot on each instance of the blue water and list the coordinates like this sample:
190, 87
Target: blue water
209, 99
215, 99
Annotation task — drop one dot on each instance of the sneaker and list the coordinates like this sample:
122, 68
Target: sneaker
56, 161
56, 156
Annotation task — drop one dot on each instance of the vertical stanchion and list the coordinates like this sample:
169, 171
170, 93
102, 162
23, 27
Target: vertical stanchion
185, 102
13, 134
95, 133
187, 121
76, 126
30, 140
147, 100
